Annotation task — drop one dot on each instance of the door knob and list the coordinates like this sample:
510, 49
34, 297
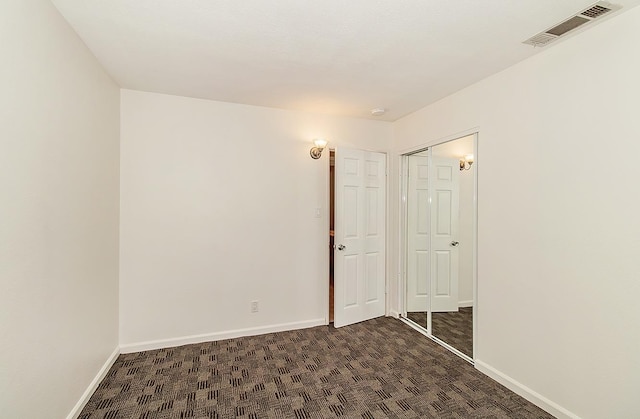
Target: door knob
454, 243
341, 247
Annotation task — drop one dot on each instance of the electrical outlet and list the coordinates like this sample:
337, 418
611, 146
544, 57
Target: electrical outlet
254, 307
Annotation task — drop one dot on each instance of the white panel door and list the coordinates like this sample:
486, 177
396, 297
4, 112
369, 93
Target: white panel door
445, 196
418, 234
359, 270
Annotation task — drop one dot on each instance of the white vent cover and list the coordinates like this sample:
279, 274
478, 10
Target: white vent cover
586, 16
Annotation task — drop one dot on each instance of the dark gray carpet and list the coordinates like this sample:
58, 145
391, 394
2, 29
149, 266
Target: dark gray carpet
454, 328
376, 369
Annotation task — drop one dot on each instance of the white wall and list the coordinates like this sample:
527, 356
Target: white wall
59, 124
559, 240
218, 209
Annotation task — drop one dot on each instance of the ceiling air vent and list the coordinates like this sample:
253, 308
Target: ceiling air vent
596, 11
586, 16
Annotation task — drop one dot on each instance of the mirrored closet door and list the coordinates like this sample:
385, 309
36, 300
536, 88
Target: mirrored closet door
439, 197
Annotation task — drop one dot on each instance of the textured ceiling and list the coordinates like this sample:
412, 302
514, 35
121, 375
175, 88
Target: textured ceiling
331, 56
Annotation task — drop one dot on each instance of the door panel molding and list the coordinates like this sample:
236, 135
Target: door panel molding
360, 236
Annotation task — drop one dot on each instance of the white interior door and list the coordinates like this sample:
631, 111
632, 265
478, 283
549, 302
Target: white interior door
418, 234
359, 270
445, 196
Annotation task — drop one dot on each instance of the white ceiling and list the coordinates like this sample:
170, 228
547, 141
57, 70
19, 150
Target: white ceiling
330, 56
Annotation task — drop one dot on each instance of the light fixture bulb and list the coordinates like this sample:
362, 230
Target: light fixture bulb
320, 142
469, 158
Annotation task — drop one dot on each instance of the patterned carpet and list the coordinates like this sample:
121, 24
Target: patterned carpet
381, 368
454, 328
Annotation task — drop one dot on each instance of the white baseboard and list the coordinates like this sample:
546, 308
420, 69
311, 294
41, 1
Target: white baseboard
394, 314
228, 334
94, 384
468, 303
524, 391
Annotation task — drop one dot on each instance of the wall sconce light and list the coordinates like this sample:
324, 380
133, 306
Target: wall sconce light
466, 162
319, 145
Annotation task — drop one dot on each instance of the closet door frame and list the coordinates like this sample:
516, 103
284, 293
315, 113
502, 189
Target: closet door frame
403, 160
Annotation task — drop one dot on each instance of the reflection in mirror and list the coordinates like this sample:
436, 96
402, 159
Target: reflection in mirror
418, 238
452, 322
439, 241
